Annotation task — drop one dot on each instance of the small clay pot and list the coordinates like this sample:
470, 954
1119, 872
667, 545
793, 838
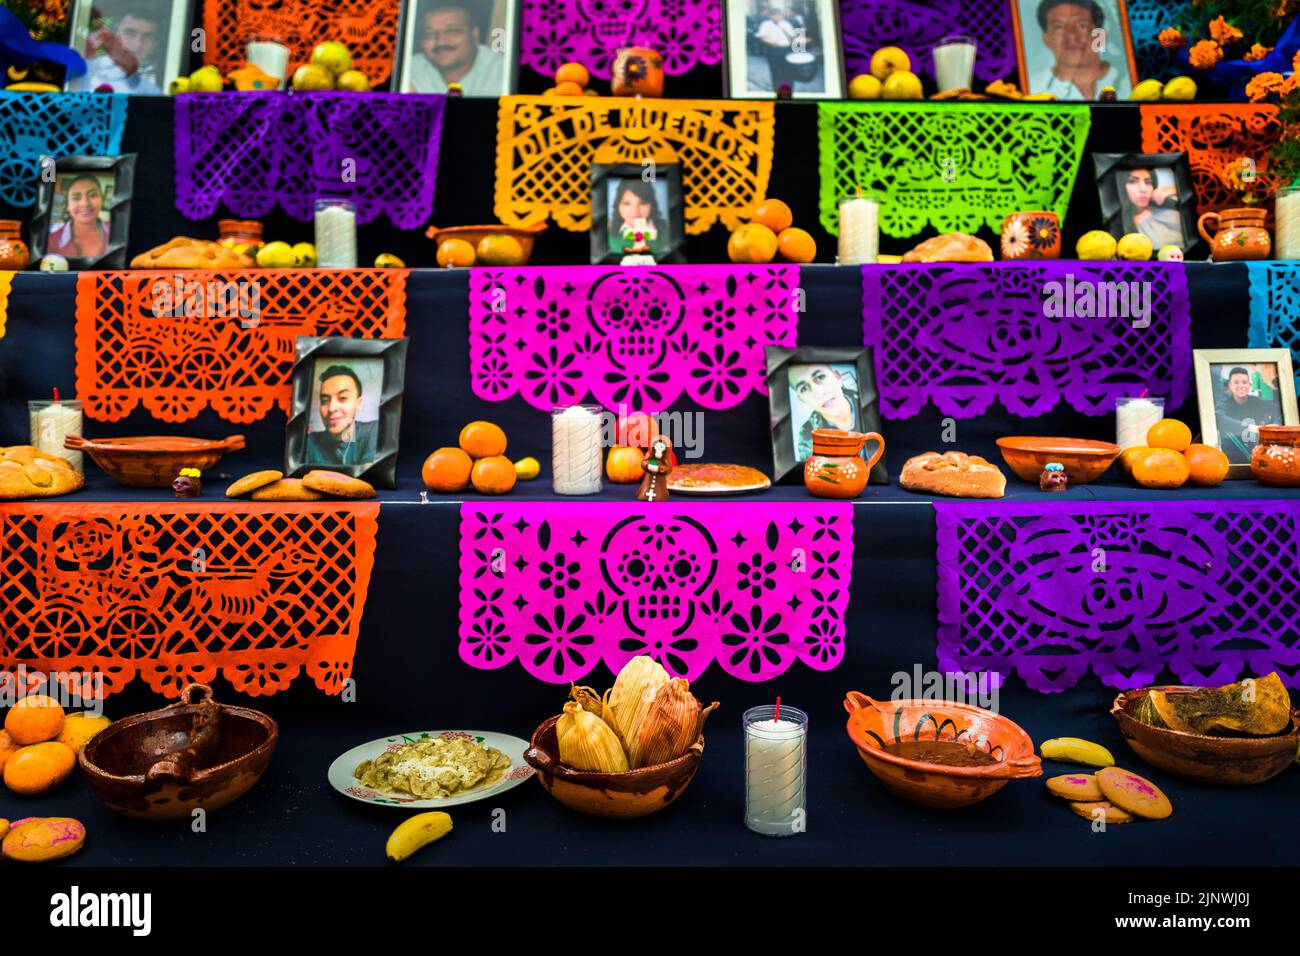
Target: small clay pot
637, 71
1239, 235
14, 254
1276, 459
1031, 235
621, 796
835, 469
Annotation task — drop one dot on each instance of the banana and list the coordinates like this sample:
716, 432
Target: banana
1076, 750
415, 832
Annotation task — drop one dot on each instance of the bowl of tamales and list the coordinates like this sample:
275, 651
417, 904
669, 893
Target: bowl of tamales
626, 753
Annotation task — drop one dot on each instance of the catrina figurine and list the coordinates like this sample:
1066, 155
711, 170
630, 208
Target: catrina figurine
657, 465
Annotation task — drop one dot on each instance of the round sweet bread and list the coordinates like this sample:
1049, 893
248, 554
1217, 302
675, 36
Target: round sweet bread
258, 479
339, 485
286, 489
27, 472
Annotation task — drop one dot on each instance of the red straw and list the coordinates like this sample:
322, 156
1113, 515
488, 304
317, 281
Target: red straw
1144, 393
777, 715
56, 394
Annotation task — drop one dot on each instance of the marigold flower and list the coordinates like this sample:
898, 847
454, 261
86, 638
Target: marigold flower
1205, 55
1289, 85
1262, 85
1295, 61
1258, 52
1223, 32
1172, 39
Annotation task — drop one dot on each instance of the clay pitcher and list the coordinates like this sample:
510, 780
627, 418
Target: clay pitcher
1239, 235
836, 469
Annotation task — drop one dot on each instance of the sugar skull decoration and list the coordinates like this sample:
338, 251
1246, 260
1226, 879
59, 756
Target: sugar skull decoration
659, 568
637, 71
188, 483
1053, 477
637, 237
1170, 253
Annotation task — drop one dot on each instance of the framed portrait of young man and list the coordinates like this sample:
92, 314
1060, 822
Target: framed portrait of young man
1237, 391
347, 407
474, 43
1074, 49
1150, 194
772, 44
83, 210
133, 46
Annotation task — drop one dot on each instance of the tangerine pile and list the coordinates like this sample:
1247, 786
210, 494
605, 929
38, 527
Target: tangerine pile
480, 460
1170, 459
770, 232
40, 743
571, 79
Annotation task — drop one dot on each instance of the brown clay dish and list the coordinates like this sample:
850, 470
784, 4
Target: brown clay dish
1229, 761
621, 796
152, 461
134, 765
1084, 460
526, 235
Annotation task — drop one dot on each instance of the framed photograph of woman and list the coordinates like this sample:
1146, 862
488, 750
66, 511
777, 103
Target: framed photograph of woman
83, 210
1074, 49
1148, 193
813, 387
626, 202
347, 407
473, 43
1237, 391
772, 44
132, 46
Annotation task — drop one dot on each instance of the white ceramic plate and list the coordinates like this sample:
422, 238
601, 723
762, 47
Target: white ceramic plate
342, 780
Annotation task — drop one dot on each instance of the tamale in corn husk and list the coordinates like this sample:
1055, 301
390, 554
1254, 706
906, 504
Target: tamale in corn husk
1259, 707
588, 699
671, 724
631, 696
587, 742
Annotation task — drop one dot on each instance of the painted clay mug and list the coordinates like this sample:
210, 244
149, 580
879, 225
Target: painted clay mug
1239, 235
13, 251
637, 71
1031, 235
1276, 459
836, 469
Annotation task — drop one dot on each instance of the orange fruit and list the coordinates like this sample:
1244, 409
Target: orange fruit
774, 214
34, 719
483, 440
39, 767
499, 250
1169, 433
572, 73
1126, 458
568, 89
636, 429
447, 470
752, 243
1161, 468
1208, 465
795, 245
455, 252
7, 747
494, 475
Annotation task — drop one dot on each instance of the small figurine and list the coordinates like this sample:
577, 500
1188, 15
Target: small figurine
638, 234
785, 92
1108, 94
455, 89
1053, 478
187, 483
657, 465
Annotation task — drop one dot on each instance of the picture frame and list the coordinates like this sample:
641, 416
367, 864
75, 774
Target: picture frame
792, 419
663, 190
415, 72
767, 43
1130, 184
331, 398
1083, 41
67, 194
156, 32
1229, 404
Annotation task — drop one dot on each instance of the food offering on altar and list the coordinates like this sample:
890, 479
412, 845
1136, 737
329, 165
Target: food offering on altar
479, 460
770, 233
1080, 460
953, 473
27, 472
330, 68
490, 245
153, 461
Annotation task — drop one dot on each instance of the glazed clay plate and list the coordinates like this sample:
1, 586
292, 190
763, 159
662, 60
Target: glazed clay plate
342, 780
716, 479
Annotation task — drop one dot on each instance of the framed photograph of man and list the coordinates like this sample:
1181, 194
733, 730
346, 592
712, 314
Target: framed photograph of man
347, 407
83, 210
813, 387
1150, 194
626, 202
1238, 390
774, 43
471, 42
133, 46
1074, 49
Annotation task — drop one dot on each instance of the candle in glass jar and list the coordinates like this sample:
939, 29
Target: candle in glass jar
575, 450
859, 230
336, 234
776, 761
50, 423
1134, 418
1286, 213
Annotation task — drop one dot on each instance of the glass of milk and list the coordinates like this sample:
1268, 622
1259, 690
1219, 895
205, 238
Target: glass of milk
269, 55
954, 63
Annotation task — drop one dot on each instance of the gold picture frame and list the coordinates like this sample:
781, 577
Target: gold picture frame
1211, 384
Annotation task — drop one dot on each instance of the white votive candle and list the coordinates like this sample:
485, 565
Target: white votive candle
1134, 418
1286, 213
336, 234
52, 422
575, 450
859, 230
776, 770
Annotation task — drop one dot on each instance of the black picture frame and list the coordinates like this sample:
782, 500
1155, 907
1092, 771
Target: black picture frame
403, 50
786, 467
382, 469
119, 209
1107, 166
674, 215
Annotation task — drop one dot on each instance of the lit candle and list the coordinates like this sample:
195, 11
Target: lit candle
859, 230
575, 450
1286, 213
776, 765
1134, 418
51, 422
336, 234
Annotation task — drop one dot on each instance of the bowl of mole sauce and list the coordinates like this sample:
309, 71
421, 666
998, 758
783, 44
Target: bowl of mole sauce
937, 753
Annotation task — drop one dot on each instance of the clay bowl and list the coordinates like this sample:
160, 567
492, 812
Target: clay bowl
1084, 460
1229, 761
874, 724
152, 461
526, 235
119, 760
620, 796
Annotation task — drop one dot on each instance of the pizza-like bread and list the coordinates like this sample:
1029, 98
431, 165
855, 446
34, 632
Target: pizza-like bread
26, 472
717, 479
953, 473
951, 247
186, 253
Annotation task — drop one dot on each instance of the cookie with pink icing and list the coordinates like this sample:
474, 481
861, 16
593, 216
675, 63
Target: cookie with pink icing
1075, 786
1109, 812
1134, 794
37, 839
